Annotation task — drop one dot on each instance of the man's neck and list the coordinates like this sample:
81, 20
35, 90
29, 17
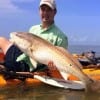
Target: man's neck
46, 25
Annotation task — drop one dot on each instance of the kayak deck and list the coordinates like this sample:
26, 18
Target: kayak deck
14, 82
92, 72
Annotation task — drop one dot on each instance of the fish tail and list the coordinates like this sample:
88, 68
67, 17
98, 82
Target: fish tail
94, 86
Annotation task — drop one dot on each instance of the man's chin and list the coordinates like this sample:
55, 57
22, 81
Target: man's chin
46, 20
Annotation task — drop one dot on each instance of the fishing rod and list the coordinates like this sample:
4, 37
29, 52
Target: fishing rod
15, 75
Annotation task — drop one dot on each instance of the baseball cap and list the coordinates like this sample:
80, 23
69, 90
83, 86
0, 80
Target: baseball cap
50, 3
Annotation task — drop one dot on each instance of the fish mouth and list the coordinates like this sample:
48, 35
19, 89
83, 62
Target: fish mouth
13, 36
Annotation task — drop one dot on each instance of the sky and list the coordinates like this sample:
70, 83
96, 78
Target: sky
78, 19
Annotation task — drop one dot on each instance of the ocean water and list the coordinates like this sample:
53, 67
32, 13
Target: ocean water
79, 49
44, 92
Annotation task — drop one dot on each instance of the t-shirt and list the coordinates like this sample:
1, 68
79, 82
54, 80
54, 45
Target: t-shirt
52, 34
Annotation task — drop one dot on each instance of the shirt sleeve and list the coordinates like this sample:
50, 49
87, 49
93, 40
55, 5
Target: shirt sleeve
64, 43
33, 29
24, 57
30, 30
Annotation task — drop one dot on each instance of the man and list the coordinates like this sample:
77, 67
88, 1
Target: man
47, 30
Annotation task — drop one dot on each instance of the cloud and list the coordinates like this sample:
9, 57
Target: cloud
24, 1
10, 6
78, 38
7, 6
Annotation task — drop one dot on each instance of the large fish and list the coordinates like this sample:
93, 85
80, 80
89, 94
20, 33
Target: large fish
42, 51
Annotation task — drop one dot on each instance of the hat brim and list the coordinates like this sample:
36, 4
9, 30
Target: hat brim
48, 4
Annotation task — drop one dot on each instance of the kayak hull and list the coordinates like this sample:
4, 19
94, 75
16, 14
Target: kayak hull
14, 82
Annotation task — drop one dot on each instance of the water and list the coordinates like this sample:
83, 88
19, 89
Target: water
46, 92
83, 48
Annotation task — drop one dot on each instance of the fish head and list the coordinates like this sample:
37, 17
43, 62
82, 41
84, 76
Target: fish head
25, 42
32, 45
20, 40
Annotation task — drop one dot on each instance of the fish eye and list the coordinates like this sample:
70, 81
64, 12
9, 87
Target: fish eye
70, 65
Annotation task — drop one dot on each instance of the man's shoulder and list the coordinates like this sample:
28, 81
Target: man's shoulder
60, 32
58, 29
35, 26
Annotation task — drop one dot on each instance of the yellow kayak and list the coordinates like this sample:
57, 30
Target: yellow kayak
14, 82
93, 72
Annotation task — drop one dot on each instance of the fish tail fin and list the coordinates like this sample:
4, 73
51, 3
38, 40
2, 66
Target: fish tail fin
94, 86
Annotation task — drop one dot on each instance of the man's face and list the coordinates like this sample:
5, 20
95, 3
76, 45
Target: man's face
47, 14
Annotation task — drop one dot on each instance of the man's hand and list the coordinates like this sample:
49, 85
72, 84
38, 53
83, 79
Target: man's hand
51, 66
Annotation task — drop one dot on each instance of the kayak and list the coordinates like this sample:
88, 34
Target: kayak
55, 79
92, 72
12, 82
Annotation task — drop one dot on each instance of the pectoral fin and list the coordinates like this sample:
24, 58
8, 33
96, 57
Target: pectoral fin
34, 63
64, 75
